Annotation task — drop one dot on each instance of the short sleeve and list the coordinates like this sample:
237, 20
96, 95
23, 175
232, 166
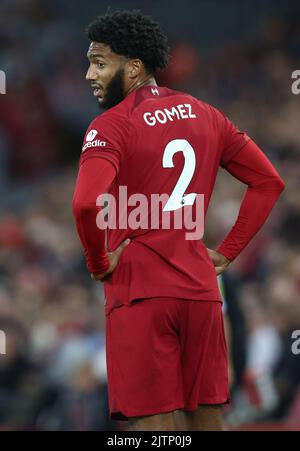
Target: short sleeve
232, 140
106, 137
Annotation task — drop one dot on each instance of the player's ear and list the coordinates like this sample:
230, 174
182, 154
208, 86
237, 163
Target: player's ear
134, 67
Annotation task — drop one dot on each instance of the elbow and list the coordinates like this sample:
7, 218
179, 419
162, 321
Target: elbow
274, 183
76, 206
279, 184
80, 208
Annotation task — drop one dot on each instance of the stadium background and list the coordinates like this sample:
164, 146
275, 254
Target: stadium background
237, 55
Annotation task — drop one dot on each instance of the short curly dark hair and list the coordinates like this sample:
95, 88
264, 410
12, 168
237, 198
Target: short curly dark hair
133, 35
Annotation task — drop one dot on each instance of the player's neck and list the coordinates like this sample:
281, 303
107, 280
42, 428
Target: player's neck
146, 81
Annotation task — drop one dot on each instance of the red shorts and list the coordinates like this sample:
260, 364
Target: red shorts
165, 354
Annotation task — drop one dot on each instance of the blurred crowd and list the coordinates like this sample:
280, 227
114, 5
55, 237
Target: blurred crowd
53, 375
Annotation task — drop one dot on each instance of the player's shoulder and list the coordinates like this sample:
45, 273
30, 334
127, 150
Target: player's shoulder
113, 116
210, 113
209, 108
204, 106
108, 129
205, 110
112, 123
213, 113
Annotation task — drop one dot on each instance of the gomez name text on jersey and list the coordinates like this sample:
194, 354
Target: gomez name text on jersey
182, 111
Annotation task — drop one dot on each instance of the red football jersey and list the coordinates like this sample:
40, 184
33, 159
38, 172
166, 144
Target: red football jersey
161, 141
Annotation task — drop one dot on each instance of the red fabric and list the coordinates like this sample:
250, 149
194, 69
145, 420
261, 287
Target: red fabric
93, 180
165, 354
252, 167
159, 262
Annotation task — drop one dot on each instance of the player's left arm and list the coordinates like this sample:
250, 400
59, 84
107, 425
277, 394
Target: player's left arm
252, 167
95, 177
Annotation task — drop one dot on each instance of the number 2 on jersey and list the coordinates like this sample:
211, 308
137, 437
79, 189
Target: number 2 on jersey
178, 199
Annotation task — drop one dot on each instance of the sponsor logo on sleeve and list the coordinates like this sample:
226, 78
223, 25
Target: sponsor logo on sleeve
92, 142
91, 135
